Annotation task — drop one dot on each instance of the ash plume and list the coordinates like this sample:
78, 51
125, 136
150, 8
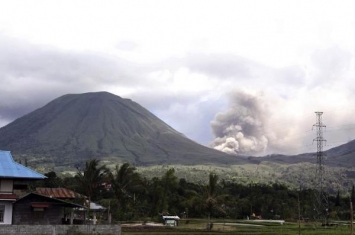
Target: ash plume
240, 129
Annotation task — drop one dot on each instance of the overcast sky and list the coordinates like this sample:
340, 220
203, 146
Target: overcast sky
244, 77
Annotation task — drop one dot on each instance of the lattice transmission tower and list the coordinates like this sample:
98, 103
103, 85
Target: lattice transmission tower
320, 195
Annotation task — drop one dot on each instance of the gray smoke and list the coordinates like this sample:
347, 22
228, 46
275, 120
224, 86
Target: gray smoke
240, 129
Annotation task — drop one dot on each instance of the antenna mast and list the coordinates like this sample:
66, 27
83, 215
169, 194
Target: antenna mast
320, 196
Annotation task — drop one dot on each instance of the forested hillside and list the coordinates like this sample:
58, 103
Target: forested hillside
133, 196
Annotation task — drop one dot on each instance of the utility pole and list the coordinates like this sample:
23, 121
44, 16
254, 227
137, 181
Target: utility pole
320, 196
351, 217
299, 215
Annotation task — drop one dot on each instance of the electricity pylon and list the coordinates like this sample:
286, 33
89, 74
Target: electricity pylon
320, 195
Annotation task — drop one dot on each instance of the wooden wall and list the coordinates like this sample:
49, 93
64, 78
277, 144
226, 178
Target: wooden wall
23, 212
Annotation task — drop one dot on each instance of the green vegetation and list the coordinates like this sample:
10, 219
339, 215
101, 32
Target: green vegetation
123, 180
90, 178
294, 176
133, 197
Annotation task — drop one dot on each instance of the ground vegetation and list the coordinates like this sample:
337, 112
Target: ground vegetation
131, 196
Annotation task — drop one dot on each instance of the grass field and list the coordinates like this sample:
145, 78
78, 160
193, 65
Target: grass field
198, 227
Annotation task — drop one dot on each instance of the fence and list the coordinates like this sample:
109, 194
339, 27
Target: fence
59, 229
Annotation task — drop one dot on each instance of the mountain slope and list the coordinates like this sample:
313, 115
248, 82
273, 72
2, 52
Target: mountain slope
340, 156
77, 127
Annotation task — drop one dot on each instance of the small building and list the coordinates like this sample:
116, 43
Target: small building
80, 213
96, 211
171, 220
14, 180
34, 208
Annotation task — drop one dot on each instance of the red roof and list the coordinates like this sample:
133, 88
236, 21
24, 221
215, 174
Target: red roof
62, 193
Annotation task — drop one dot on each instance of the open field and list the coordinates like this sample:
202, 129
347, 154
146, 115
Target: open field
198, 227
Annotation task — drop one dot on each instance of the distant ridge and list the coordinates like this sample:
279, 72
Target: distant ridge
76, 127
340, 156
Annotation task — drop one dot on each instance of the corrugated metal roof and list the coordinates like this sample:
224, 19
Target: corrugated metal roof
11, 169
59, 193
50, 199
95, 207
171, 217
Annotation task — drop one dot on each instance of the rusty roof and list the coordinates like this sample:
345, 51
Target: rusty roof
45, 199
62, 193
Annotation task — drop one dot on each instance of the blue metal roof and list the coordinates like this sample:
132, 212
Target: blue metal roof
11, 169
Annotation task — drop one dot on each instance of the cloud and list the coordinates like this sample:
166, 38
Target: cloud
222, 65
32, 75
231, 71
127, 45
331, 66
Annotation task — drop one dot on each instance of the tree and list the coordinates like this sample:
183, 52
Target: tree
91, 178
124, 181
337, 199
169, 183
52, 180
210, 200
154, 191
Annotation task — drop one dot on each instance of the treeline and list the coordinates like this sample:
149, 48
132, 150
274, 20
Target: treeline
130, 196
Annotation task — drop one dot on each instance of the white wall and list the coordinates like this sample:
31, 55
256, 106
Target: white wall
8, 212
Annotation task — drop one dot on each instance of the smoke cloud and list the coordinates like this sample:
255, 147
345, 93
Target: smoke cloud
241, 128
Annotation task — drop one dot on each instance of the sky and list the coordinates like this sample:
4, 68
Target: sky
244, 77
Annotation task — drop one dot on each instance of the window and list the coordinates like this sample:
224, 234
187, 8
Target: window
2, 212
38, 214
6, 186
38, 210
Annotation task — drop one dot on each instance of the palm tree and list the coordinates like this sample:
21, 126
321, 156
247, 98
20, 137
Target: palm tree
210, 200
91, 178
124, 180
169, 183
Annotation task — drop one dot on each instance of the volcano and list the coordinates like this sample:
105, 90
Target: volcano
76, 127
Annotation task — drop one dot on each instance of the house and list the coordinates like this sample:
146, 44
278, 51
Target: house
14, 180
34, 208
80, 212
